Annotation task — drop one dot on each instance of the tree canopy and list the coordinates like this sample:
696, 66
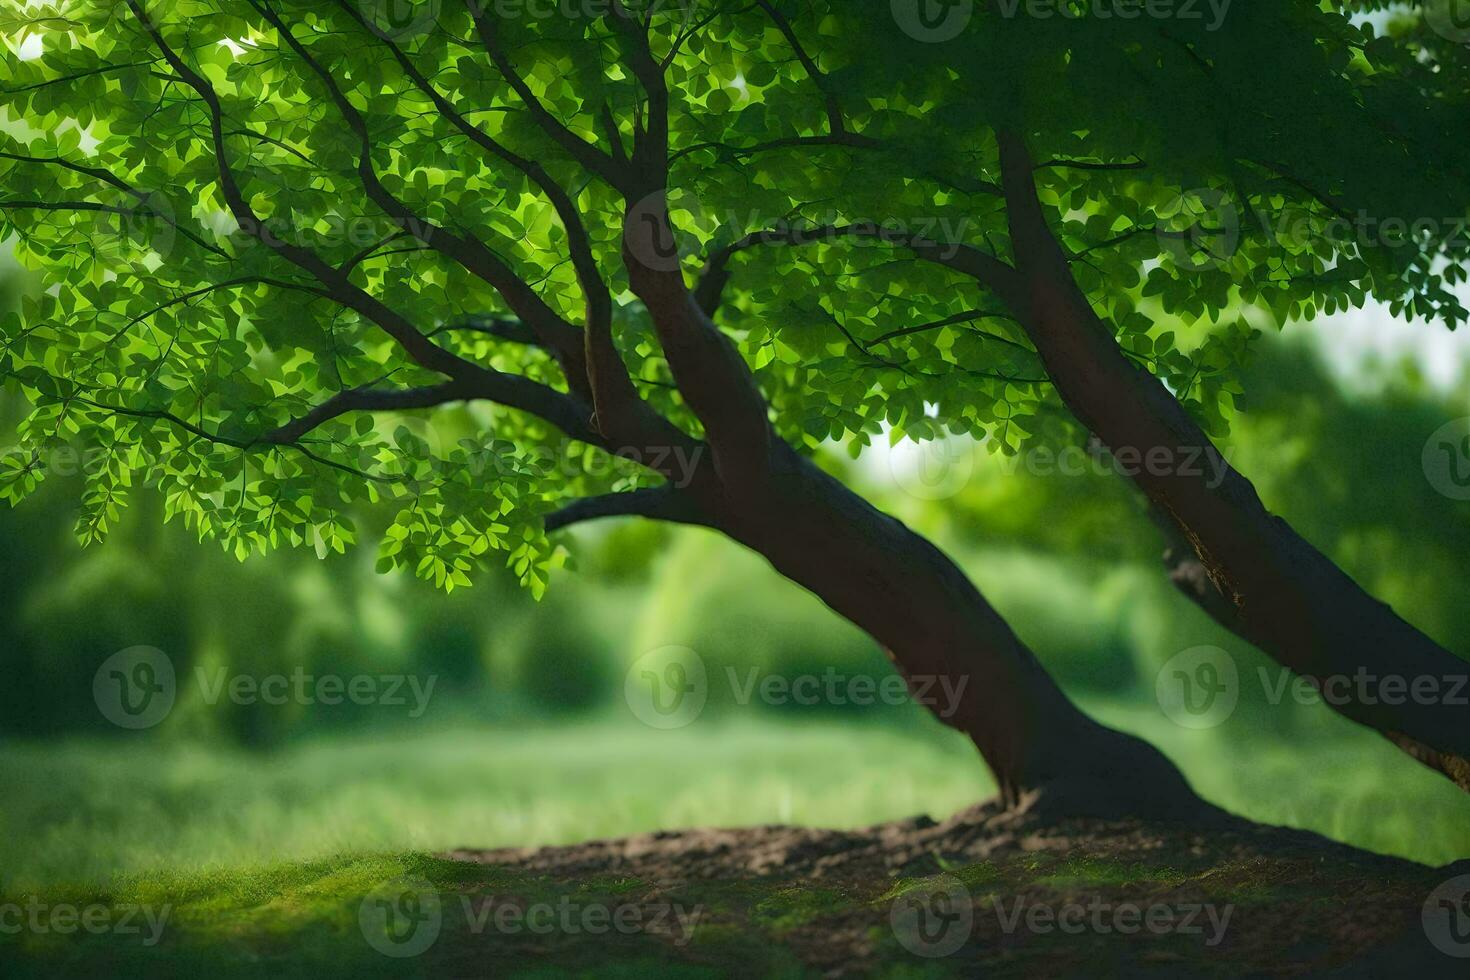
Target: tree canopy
267, 230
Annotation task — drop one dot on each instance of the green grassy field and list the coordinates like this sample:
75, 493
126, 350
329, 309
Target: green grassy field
261, 864
87, 811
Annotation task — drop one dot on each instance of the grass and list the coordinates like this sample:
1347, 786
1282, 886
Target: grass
305, 920
314, 919
84, 812
264, 862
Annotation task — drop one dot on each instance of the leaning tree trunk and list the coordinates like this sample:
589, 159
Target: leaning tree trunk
865, 565
942, 635
1247, 568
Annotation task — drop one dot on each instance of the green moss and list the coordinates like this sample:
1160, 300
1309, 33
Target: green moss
976, 877
1097, 872
795, 906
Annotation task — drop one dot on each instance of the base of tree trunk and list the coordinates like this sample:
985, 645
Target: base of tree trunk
1111, 775
804, 901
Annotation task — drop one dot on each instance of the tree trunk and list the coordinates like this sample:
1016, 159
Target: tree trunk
877, 573
1255, 575
943, 636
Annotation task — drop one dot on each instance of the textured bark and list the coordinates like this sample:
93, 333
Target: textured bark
1255, 574
939, 631
934, 623
865, 565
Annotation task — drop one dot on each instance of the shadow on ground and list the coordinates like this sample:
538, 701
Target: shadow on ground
983, 893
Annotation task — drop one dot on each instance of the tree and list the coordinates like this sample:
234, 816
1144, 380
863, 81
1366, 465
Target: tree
270, 229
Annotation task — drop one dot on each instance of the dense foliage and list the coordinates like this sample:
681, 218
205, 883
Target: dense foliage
409, 191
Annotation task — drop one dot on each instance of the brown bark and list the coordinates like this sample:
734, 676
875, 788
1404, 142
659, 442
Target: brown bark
865, 565
934, 623
1255, 574
937, 628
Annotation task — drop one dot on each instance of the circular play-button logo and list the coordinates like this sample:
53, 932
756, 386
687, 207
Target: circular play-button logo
1198, 687
135, 688
935, 919
1450, 19
1446, 459
401, 918
667, 687
933, 21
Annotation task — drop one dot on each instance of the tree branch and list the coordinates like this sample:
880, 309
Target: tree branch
710, 373
1091, 165
835, 121
204, 291
962, 182
597, 161
1250, 571
369, 400
998, 276
598, 372
338, 286
110, 178
594, 290
649, 165
468, 251
499, 327
657, 503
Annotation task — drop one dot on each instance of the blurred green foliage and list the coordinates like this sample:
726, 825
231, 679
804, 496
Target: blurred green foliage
1072, 561
527, 725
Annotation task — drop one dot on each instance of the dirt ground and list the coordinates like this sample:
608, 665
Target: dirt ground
996, 894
